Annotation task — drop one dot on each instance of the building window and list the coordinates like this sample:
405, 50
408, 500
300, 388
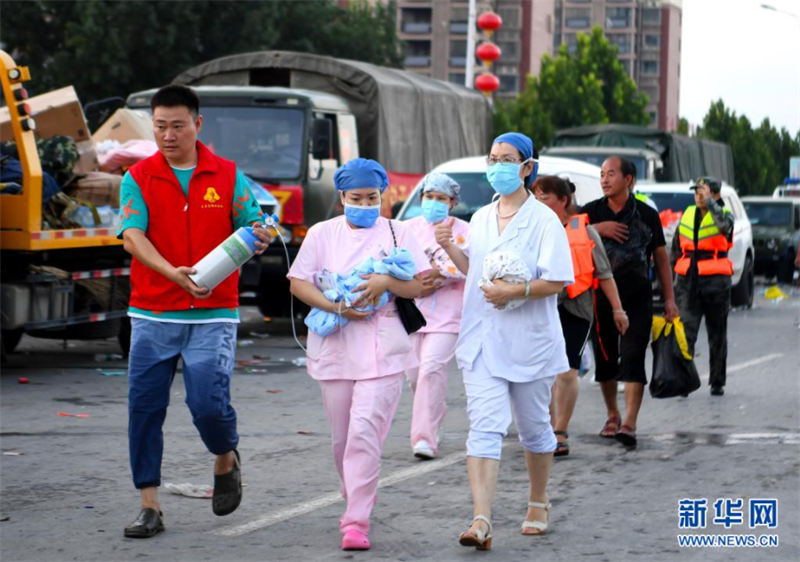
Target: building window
626, 65
651, 16
456, 78
509, 84
652, 41
571, 39
653, 117
458, 53
510, 16
618, 17
577, 18
652, 94
622, 41
649, 68
417, 54
510, 51
415, 21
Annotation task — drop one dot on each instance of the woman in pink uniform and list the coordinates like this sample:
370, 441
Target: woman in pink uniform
440, 303
359, 367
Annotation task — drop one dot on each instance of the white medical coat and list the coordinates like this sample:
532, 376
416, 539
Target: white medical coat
526, 343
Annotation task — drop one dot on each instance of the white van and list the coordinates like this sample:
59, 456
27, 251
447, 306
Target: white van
470, 173
676, 197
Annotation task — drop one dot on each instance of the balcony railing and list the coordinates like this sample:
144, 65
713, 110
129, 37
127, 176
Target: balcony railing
417, 61
416, 28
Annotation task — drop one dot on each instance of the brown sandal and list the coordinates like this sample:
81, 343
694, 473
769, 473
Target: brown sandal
610, 428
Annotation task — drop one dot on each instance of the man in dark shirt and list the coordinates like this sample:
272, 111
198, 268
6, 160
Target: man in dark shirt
632, 234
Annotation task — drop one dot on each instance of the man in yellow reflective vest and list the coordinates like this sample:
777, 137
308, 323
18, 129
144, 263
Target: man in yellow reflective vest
703, 284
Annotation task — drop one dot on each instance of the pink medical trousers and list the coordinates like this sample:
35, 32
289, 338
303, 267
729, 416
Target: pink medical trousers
429, 384
360, 414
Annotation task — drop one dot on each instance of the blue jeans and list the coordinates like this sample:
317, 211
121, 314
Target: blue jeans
208, 353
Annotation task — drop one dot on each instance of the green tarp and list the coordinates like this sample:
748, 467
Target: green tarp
684, 158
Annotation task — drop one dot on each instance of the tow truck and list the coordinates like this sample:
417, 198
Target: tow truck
54, 283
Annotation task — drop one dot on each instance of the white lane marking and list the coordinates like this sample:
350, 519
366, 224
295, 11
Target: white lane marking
746, 364
332, 498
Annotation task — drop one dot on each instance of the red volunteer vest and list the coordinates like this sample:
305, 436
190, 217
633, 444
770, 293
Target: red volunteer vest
184, 230
580, 246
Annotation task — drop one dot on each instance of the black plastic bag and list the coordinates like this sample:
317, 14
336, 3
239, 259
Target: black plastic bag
409, 314
674, 374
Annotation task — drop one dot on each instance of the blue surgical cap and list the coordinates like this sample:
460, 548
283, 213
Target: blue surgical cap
360, 172
524, 145
436, 181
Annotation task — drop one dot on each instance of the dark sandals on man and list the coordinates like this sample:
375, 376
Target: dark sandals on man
562, 447
610, 428
627, 436
149, 522
228, 489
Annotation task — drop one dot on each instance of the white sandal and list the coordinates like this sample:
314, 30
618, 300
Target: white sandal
476, 537
540, 526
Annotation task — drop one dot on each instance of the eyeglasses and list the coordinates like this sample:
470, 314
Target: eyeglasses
502, 160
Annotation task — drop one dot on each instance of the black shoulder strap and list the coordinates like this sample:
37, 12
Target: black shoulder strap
394, 238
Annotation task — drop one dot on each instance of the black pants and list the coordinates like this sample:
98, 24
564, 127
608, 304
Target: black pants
711, 299
622, 357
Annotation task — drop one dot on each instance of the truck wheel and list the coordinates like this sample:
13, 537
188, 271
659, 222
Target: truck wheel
10, 340
124, 335
742, 293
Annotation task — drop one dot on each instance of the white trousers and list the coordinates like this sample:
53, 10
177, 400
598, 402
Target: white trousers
491, 401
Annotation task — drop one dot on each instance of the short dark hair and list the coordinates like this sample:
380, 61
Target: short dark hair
175, 95
627, 167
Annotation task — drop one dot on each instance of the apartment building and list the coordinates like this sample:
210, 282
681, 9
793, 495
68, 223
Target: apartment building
647, 32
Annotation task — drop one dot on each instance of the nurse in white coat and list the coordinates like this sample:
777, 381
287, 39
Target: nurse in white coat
511, 357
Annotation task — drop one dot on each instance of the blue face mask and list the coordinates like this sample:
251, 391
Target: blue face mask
434, 211
504, 177
363, 217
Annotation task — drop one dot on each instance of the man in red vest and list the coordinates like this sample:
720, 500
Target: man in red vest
177, 206
703, 283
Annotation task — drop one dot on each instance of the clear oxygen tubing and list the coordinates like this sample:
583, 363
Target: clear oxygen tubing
271, 221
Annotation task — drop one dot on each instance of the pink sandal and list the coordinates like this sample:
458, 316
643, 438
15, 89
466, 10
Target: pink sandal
355, 540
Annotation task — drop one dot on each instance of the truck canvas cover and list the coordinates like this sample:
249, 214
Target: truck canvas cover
684, 158
408, 122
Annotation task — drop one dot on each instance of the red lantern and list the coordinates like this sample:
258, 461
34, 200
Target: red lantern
488, 53
487, 83
489, 22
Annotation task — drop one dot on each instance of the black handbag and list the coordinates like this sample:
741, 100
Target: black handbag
410, 316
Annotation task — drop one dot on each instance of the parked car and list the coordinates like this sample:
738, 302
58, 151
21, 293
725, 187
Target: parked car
673, 198
476, 192
776, 231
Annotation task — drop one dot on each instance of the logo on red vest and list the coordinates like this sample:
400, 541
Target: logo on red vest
211, 197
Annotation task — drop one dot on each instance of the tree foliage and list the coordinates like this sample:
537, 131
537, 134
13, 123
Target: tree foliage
760, 155
112, 48
584, 87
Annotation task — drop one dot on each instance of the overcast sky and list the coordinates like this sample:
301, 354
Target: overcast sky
747, 55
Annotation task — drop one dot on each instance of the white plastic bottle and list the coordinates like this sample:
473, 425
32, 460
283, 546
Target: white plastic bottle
226, 258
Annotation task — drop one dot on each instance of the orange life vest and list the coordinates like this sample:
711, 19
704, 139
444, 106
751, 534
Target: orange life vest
580, 246
712, 246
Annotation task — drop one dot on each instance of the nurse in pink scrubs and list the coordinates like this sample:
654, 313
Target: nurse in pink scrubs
360, 367
434, 344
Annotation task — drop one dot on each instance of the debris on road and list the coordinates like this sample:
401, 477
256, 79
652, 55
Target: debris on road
100, 357
274, 391
13, 453
774, 293
68, 415
244, 343
190, 490
112, 373
299, 362
23, 380
259, 335
305, 432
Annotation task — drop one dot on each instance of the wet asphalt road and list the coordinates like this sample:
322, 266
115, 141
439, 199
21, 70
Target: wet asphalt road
67, 494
